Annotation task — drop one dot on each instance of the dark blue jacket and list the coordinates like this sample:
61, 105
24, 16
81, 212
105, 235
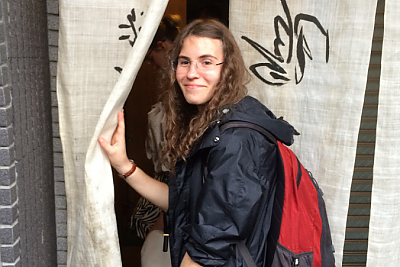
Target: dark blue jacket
215, 196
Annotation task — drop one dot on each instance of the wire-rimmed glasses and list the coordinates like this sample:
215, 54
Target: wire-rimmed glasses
182, 64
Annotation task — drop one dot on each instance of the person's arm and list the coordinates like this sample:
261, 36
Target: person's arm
151, 189
188, 262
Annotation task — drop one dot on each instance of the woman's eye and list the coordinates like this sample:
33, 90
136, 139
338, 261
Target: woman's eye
206, 63
184, 62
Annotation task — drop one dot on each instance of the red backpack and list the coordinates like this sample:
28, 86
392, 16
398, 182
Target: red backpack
299, 233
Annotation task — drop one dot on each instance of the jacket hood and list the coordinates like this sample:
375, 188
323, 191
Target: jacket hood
251, 110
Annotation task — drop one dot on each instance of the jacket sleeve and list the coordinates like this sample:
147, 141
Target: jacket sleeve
239, 171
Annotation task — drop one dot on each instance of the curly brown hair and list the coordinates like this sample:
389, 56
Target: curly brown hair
185, 123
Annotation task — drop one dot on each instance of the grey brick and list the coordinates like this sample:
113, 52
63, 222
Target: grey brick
62, 244
10, 254
9, 234
5, 116
57, 147
52, 7
54, 114
59, 188
8, 195
6, 136
61, 202
7, 156
53, 40
8, 214
54, 100
52, 22
7, 175
61, 229
53, 69
61, 257
53, 84
58, 160
61, 216
5, 96
4, 75
2, 31
59, 174
3, 54
53, 56
56, 130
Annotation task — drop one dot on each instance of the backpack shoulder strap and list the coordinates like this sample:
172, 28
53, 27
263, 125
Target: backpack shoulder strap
246, 124
246, 254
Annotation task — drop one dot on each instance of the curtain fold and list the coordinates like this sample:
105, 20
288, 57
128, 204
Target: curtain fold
309, 62
101, 47
384, 228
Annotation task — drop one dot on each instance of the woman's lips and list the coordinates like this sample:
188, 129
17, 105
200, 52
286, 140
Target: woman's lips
193, 86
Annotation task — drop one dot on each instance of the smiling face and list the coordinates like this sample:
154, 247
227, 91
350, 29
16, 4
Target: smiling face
198, 86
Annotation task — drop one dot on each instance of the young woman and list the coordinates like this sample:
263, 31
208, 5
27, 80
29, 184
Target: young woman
219, 179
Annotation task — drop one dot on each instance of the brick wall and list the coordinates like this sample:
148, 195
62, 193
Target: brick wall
27, 206
60, 199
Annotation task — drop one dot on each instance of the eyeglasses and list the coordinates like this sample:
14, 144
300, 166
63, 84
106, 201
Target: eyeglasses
182, 64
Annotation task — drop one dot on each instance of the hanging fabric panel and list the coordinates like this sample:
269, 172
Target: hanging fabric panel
101, 47
384, 228
309, 63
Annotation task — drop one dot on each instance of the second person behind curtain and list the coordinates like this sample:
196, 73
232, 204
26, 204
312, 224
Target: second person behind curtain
147, 219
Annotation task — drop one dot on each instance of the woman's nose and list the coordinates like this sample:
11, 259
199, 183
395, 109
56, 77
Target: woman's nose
193, 71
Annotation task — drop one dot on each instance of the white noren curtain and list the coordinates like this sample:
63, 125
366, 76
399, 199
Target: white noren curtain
97, 40
309, 61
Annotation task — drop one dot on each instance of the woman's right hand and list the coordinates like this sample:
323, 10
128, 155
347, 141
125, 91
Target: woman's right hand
151, 189
116, 150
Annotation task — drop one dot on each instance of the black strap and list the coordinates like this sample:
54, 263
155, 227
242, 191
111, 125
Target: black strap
166, 232
246, 254
246, 124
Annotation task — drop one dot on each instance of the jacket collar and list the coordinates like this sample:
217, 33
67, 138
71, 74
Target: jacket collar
251, 110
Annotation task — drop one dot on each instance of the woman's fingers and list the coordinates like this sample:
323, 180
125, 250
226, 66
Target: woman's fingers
119, 132
121, 122
117, 146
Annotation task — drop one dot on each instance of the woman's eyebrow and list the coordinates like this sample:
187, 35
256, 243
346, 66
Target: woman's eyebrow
184, 57
208, 56
201, 57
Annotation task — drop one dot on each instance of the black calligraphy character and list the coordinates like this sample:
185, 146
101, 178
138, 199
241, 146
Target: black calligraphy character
131, 19
275, 59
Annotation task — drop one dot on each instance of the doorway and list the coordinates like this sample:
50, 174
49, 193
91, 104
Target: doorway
143, 96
